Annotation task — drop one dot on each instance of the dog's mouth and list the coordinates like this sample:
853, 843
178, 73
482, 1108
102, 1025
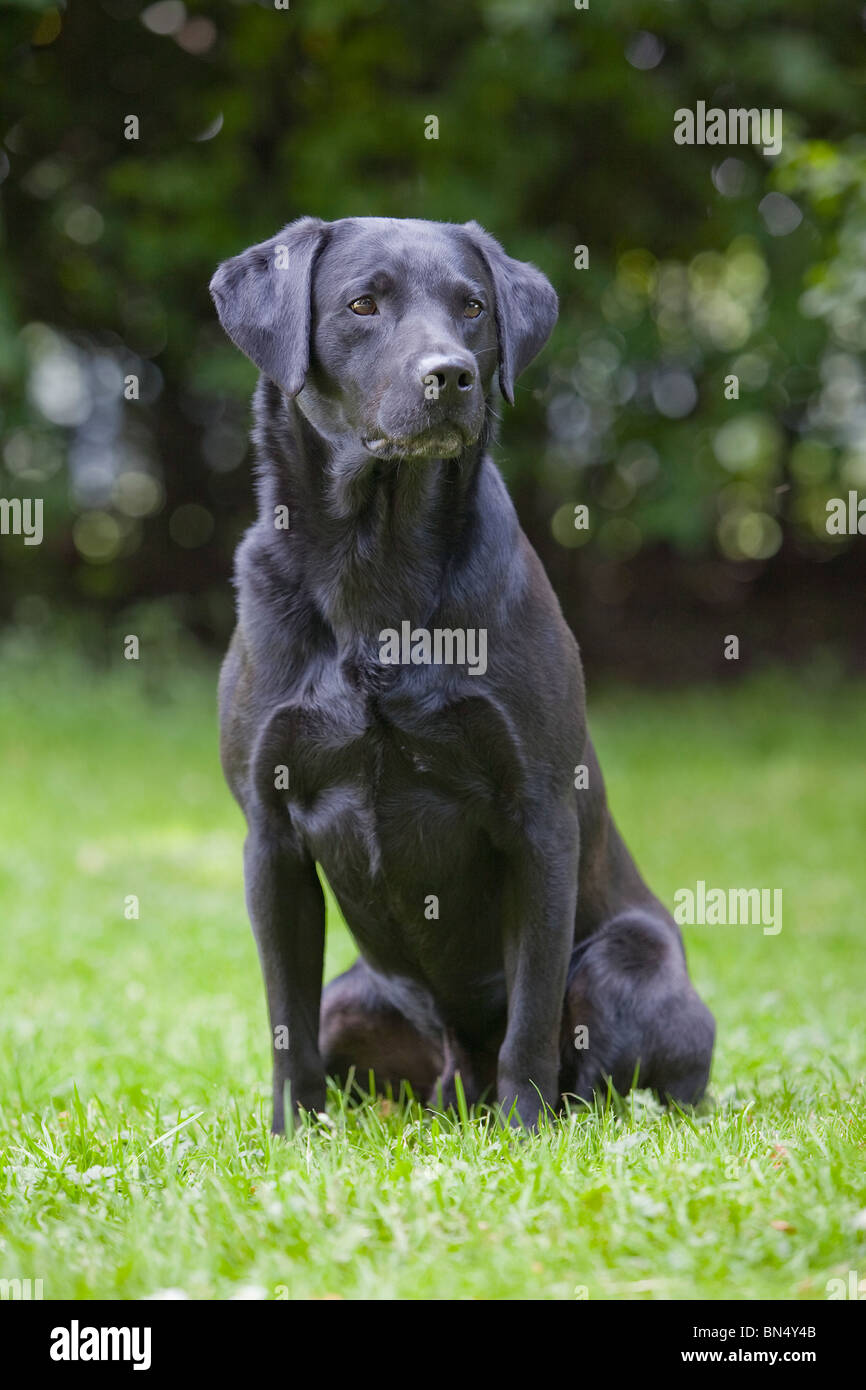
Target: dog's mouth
439, 441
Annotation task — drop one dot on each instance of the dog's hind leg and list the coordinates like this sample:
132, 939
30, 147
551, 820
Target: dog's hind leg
631, 1013
362, 1028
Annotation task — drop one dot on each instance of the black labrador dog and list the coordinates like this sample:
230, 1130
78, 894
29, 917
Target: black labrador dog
403, 702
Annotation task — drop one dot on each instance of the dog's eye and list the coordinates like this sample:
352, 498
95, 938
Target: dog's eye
474, 307
365, 305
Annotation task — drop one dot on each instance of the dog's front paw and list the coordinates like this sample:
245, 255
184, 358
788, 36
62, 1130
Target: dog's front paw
295, 1100
521, 1102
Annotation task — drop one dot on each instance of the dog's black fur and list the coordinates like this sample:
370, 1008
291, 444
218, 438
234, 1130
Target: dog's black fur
412, 783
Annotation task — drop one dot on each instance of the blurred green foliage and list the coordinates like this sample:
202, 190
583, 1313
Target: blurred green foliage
555, 131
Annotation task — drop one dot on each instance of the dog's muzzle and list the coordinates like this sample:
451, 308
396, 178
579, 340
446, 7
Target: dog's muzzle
439, 441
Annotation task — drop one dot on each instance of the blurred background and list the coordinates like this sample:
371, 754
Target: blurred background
707, 515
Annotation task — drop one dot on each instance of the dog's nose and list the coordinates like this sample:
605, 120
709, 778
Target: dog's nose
448, 373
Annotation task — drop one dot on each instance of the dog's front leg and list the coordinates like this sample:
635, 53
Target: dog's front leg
540, 902
287, 911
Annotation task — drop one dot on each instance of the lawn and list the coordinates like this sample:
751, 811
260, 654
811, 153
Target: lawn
135, 1157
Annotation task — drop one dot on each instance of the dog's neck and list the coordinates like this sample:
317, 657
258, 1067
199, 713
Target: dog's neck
374, 542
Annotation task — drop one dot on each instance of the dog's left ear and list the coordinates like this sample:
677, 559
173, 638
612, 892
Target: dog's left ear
526, 308
263, 298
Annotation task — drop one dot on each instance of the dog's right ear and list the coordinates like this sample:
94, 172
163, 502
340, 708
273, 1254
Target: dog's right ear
263, 298
526, 307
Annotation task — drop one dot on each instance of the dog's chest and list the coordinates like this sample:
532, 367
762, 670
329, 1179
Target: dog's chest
391, 780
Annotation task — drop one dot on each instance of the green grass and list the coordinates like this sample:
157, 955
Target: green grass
116, 1031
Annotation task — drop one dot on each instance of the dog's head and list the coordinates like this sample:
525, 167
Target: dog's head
389, 330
